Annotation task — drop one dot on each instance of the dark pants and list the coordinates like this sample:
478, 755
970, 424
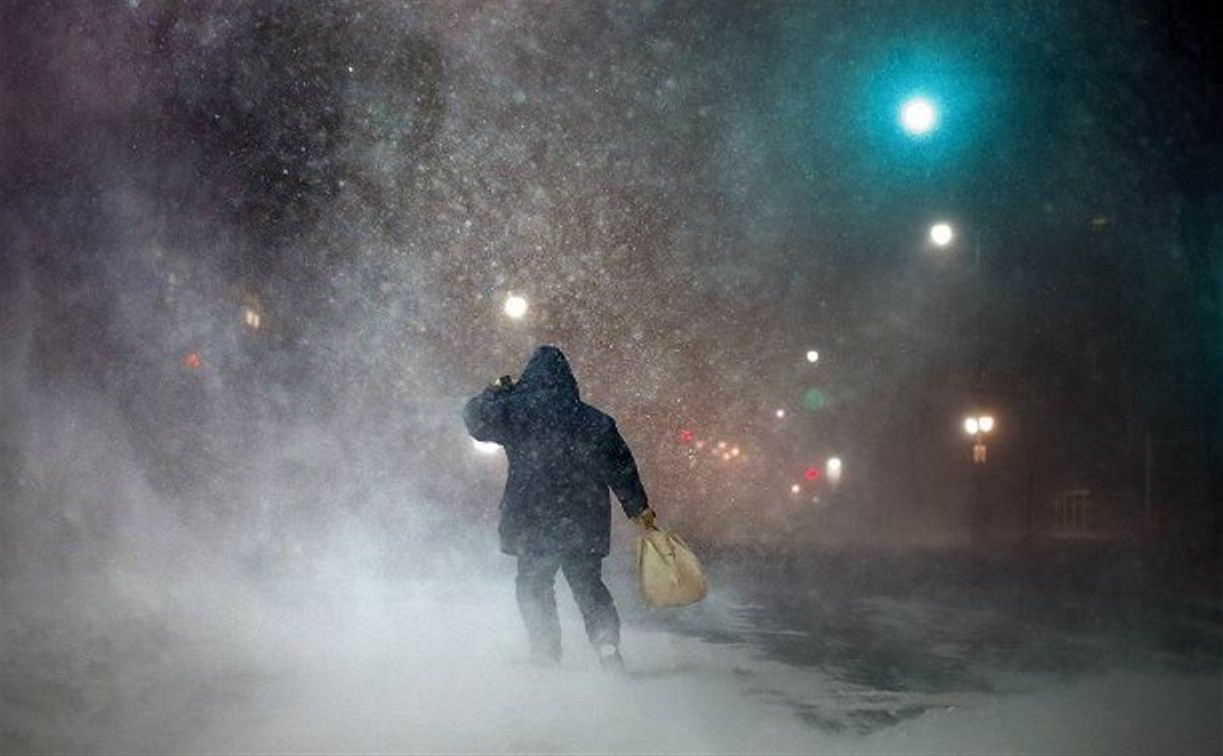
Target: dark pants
537, 601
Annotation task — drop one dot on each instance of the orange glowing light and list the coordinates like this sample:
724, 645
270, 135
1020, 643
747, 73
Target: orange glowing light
192, 361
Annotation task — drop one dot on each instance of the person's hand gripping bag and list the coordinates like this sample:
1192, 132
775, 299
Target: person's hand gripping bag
668, 573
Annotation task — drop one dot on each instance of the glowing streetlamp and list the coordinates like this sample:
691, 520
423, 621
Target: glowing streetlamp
977, 427
813, 356
515, 306
833, 469
252, 318
918, 116
941, 234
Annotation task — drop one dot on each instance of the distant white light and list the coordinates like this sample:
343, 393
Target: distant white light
918, 116
515, 306
486, 447
796, 488
971, 426
734, 452
813, 356
986, 423
252, 318
941, 234
833, 468
780, 414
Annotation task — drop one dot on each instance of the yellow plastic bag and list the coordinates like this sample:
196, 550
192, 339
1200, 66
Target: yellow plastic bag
668, 573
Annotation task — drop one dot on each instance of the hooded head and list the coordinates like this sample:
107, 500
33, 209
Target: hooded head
548, 370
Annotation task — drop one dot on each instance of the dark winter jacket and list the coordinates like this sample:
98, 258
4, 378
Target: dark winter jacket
563, 455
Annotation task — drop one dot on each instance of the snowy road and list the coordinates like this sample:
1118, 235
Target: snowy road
345, 660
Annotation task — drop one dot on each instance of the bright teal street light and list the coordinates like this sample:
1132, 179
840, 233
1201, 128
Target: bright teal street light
918, 116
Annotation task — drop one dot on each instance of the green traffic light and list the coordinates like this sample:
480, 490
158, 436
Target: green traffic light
814, 399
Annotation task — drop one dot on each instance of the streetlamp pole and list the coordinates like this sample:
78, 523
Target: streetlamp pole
979, 285
978, 426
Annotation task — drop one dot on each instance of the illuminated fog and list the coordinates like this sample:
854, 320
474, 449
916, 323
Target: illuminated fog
255, 256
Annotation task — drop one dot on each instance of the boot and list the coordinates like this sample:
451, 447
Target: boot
610, 659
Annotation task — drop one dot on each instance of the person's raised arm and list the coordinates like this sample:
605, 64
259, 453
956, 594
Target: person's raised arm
485, 415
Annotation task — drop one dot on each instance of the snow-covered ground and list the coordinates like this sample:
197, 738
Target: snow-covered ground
347, 659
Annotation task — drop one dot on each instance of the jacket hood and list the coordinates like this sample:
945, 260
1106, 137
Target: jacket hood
548, 370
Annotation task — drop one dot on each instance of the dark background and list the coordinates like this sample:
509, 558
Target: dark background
691, 195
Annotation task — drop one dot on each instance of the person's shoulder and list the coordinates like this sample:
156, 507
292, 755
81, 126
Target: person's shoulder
595, 417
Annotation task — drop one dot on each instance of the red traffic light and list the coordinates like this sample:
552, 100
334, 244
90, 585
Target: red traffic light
812, 474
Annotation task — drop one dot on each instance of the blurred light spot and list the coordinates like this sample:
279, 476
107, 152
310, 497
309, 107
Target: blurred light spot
780, 414
252, 318
986, 422
192, 361
686, 436
941, 234
812, 474
833, 468
486, 447
918, 116
814, 399
971, 426
515, 306
796, 488
813, 356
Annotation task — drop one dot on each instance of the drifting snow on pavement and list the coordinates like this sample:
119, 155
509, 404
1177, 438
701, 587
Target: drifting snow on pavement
345, 660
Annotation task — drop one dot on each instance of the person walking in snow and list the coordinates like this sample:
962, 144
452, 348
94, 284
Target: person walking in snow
564, 455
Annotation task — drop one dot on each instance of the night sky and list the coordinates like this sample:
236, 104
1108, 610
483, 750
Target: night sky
689, 195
